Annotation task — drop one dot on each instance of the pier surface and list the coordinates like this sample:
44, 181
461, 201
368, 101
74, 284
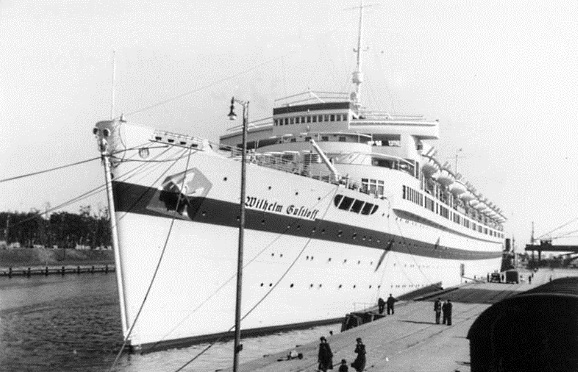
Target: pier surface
410, 340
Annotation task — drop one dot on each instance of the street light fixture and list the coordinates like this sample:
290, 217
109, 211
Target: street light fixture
232, 116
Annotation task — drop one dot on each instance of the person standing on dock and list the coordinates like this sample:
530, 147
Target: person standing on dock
381, 305
343, 367
447, 312
390, 301
359, 362
438, 309
325, 357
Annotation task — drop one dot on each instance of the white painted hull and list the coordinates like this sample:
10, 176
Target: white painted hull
306, 270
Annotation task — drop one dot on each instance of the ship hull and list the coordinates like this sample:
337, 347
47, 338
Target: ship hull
305, 260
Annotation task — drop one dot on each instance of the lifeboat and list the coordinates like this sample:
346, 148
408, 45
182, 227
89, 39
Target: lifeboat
457, 188
445, 177
474, 202
430, 168
480, 206
467, 196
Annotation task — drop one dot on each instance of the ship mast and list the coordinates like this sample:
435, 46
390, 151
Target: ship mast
357, 78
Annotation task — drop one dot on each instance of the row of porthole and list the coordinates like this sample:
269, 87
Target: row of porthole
355, 285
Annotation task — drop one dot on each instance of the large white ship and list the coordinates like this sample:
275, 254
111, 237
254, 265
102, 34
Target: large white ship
343, 205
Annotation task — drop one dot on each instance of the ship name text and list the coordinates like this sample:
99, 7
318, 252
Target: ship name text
275, 207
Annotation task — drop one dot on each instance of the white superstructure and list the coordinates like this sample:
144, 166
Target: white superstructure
344, 205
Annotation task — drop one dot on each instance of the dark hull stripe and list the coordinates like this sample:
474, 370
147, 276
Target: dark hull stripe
150, 201
252, 332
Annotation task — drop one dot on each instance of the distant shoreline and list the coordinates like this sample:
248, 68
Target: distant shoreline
20, 257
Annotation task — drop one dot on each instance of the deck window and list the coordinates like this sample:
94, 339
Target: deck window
367, 208
357, 206
337, 200
342, 139
346, 203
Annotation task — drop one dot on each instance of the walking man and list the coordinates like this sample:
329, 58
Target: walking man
438, 309
381, 305
325, 357
447, 312
390, 301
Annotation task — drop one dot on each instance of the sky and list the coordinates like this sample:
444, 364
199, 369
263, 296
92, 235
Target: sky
501, 77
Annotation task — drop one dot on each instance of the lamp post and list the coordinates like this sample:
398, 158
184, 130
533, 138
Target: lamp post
232, 116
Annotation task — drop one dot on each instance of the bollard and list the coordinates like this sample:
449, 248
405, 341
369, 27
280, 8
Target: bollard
46, 271
78, 269
106, 269
10, 272
92, 270
62, 270
28, 273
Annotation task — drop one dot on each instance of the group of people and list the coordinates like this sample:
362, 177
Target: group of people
325, 357
390, 302
444, 308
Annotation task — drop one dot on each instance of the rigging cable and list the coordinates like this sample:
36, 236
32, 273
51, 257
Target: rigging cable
267, 246
155, 272
49, 170
168, 100
559, 227
276, 283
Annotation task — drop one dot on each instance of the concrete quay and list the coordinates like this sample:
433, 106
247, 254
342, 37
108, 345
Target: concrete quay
410, 340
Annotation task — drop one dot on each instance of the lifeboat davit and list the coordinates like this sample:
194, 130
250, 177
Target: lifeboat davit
457, 188
429, 168
445, 178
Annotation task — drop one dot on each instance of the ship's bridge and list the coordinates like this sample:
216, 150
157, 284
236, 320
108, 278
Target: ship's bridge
325, 112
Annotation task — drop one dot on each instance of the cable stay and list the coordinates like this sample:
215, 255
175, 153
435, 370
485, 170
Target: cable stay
206, 86
269, 291
49, 170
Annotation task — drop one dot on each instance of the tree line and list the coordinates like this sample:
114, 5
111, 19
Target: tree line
88, 228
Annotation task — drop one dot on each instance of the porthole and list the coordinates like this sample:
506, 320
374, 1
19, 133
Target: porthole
329, 260
358, 262
262, 222
281, 255
270, 284
272, 254
269, 187
320, 285
298, 227
238, 218
354, 286
344, 261
296, 193
225, 179
370, 286
340, 285
354, 236
261, 284
311, 285
291, 286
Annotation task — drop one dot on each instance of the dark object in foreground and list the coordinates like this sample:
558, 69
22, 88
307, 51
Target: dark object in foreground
533, 331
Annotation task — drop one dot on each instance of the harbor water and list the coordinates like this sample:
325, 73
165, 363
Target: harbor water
72, 323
